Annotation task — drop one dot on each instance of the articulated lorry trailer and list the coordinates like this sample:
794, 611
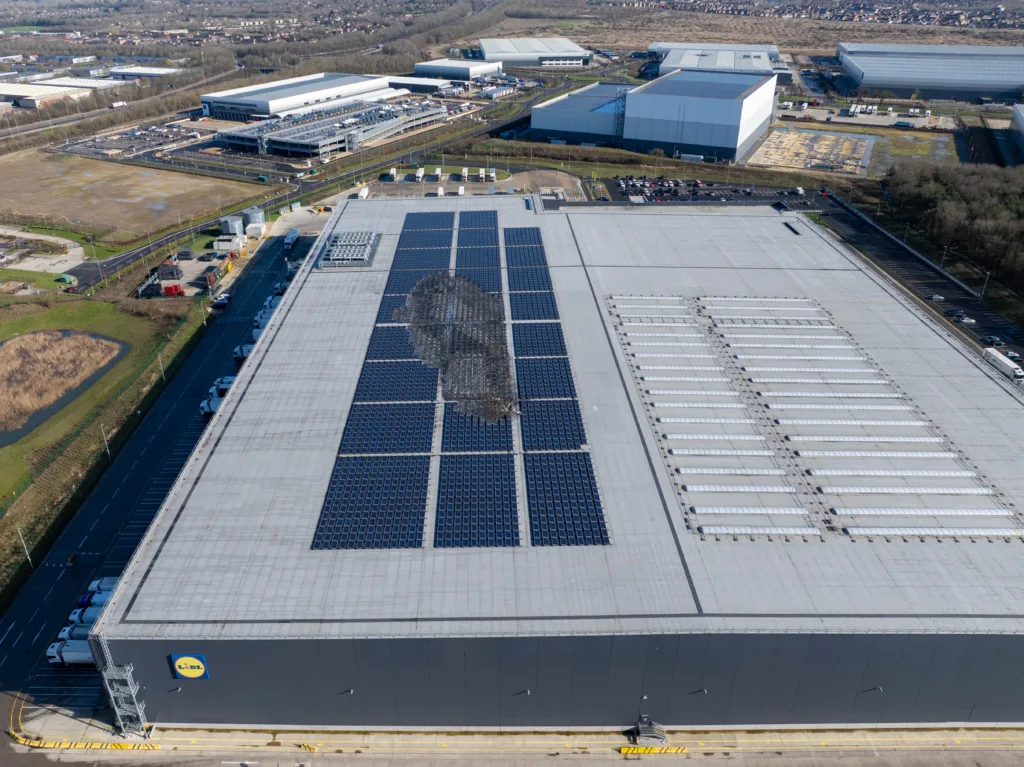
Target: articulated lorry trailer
1004, 365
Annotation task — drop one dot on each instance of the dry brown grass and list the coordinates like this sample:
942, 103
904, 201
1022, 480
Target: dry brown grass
37, 369
18, 310
636, 28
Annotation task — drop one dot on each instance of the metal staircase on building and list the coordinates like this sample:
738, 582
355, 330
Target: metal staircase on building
122, 692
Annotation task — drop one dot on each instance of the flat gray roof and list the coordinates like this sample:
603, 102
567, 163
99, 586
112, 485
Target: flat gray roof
538, 46
593, 98
932, 50
709, 85
681, 327
273, 91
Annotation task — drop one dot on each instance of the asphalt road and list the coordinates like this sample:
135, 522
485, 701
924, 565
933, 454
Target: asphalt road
107, 528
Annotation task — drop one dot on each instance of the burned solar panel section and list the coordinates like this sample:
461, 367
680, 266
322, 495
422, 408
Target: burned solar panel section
561, 488
466, 433
476, 498
476, 501
374, 502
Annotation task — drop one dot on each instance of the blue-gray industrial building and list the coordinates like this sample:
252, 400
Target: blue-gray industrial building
960, 72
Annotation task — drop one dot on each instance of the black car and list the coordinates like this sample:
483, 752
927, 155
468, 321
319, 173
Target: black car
206, 257
954, 312
992, 341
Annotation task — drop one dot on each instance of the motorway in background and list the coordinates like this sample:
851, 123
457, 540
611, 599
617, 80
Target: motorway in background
114, 518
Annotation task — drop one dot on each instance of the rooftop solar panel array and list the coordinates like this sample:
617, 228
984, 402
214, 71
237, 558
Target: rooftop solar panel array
476, 500
478, 258
561, 488
378, 491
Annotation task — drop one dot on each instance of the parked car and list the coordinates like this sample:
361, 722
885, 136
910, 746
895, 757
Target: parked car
1012, 355
992, 341
963, 320
208, 256
937, 298
222, 300
954, 313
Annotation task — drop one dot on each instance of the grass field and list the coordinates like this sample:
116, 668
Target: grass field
89, 316
41, 280
108, 196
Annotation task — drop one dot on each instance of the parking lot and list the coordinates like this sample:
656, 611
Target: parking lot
657, 191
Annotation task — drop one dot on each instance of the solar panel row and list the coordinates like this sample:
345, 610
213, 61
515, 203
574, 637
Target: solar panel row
425, 238
561, 489
478, 219
441, 220
478, 258
427, 258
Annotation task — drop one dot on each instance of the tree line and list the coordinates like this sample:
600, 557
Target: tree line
977, 210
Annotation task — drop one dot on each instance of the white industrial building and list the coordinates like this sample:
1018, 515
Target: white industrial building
1017, 126
297, 95
712, 57
142, 73
712, 114
31, 96
534, 52
457, 69
82, 82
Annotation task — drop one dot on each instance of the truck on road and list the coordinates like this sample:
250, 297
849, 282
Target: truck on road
290, 238
1004, 365
74, 652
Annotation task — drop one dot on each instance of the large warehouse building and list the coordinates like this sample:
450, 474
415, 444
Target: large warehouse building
1017, 130
710, 57
710, 468
457, 69
963, 72
33, 96
712, 114
534, 52
297, 95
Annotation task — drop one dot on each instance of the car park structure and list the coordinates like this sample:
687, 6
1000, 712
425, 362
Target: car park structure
558, 468
963, 72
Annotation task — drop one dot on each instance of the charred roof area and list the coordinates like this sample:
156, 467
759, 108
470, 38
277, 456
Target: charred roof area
459, 329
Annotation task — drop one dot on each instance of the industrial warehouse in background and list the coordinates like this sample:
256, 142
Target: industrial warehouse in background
716, 473
686, 113
558, 52
457, 69
298, 95
705, 57
1017, 128
960, 72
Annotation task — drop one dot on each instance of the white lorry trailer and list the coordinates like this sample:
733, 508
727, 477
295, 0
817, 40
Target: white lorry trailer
74, 632
74, 652
290, 238
1004, 365
104, 584
85, 615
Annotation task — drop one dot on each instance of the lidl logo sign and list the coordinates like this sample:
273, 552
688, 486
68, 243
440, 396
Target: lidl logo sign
190, 667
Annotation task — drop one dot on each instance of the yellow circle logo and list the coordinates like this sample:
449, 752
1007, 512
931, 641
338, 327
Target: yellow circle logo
190, 667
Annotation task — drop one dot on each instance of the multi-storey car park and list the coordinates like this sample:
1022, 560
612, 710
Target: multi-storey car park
557, 468
343, 129
964, 72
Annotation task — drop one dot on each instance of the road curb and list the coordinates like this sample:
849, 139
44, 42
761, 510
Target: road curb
83, 745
